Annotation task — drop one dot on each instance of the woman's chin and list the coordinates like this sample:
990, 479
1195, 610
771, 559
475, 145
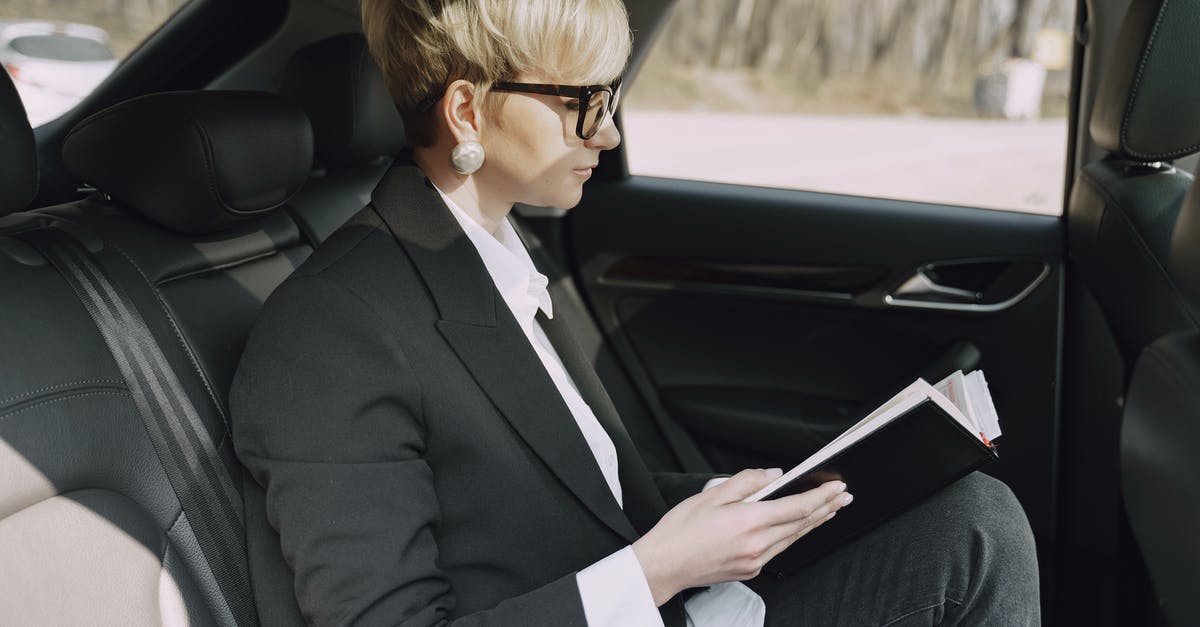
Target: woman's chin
569, 198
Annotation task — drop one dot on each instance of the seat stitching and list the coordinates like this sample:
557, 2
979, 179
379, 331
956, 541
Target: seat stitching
162, 558
93, 119
6, 415
225, 437
67, 495
209, 169
187, 348
1134, 93
50, 388
224, 266
170, 529
1135, 88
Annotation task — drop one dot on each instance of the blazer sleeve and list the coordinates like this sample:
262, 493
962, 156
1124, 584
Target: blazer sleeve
327, 418
678, 486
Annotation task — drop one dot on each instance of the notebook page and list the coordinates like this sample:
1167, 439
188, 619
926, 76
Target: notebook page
982, 406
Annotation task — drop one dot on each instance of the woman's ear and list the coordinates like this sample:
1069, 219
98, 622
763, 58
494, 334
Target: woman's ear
460, 110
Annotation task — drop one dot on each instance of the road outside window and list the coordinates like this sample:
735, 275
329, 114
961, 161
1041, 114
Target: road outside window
960, 103
58, 51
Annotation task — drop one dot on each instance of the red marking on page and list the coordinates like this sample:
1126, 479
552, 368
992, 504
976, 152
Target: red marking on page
986, 441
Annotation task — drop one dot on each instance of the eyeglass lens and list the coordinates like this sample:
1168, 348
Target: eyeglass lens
597, 108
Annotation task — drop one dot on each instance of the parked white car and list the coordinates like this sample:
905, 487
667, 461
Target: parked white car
54, 64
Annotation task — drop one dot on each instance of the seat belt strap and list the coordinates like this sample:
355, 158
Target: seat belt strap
206, 491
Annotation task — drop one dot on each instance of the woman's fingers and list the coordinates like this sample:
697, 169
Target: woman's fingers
743, 484
787, 540
801, 506
714, 536
816, 518
784, 534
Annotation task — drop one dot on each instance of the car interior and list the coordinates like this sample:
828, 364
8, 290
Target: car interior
733, 326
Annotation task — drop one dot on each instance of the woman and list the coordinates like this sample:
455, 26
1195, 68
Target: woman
435, 448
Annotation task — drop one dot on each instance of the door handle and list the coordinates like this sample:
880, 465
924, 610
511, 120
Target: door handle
981, 286
923, 288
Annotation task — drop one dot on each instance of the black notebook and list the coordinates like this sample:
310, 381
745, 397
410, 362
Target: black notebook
918, 442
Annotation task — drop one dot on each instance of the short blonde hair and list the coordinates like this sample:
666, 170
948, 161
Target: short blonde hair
423, 45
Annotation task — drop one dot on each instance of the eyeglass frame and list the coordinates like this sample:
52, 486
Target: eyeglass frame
583, 93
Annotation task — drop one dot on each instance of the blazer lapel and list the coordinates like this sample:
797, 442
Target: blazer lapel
481, 330
644, 504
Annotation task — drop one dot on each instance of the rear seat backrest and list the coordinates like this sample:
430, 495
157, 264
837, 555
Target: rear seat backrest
83, 522
194, 197
1123, 208
91, 531
18, 152
186, 223
356, 129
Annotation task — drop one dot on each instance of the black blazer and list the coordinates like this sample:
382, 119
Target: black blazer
419, 465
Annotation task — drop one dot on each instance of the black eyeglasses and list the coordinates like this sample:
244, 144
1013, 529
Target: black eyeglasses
595, 102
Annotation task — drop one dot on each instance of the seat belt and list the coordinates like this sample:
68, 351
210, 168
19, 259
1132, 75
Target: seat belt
210, 500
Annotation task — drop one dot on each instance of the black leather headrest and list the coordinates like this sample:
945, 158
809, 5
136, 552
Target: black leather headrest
18, 153
194, 161
342, 90
1148, 104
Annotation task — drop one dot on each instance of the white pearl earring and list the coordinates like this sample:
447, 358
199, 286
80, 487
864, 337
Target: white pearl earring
467, 157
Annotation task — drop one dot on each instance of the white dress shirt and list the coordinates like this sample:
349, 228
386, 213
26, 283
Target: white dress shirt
614, 590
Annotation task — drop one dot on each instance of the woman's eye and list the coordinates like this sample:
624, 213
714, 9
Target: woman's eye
572, 105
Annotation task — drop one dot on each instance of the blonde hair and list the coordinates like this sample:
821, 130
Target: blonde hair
423, 45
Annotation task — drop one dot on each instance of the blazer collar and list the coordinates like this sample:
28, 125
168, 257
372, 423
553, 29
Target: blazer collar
451, 268
486, 338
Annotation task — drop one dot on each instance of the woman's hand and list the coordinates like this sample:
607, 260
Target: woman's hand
714, 537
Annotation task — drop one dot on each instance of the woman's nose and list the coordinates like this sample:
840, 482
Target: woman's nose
608, 137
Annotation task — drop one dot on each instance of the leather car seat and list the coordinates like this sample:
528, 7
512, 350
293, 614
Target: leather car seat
18, 153
1131, 234
189, 224
90, 532
356, 129
1160, 427
1123, 208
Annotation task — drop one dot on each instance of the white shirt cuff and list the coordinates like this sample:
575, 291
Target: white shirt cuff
615, 592
714, 482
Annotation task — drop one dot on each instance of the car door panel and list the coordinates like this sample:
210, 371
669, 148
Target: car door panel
759, 319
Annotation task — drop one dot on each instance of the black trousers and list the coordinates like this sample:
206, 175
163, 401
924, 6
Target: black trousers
965, 556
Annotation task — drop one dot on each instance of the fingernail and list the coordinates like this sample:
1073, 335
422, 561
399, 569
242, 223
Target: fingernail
841, 486
774, 473
845, 499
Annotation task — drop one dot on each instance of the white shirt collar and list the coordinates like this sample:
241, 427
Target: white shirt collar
521, 286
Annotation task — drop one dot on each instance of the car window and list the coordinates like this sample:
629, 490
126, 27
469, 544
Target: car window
58, 52
961, 103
